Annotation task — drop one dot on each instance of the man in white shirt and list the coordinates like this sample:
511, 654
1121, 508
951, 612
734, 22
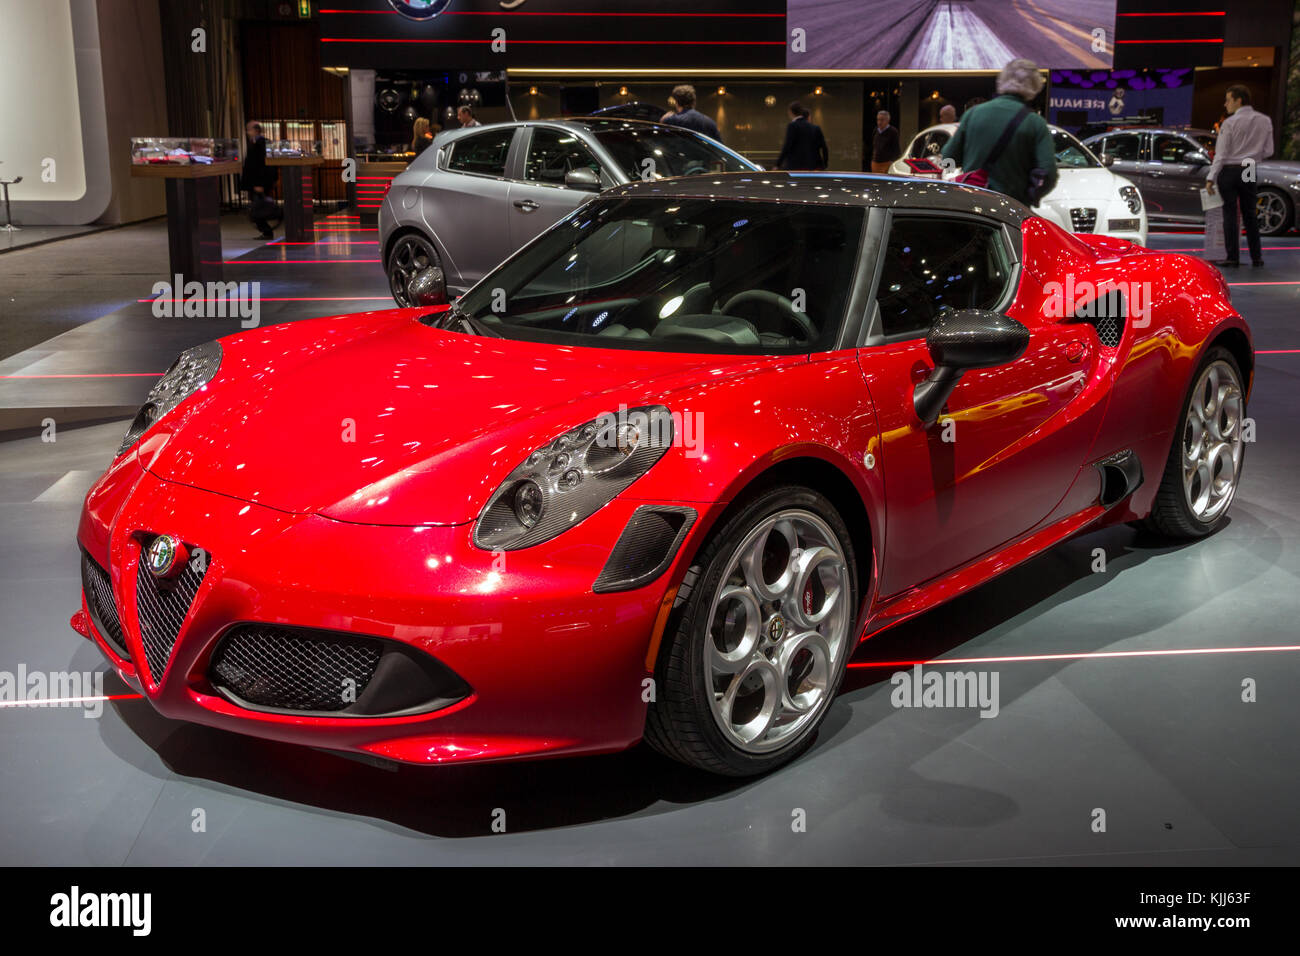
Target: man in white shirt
1245, 139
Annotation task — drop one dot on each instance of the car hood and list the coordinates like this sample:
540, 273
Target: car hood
382, 420
1087, 183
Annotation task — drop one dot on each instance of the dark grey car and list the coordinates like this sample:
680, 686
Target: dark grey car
1169, 167
478, 194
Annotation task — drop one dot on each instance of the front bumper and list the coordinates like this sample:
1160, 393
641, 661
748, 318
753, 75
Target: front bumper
551, 666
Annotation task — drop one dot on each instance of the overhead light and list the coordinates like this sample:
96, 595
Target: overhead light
722, 91
532, 91
817, 91
622, 91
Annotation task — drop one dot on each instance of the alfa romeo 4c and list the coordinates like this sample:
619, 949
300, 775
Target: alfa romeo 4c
657, 475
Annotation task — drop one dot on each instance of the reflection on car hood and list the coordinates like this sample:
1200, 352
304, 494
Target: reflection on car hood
379, 419
1086, 183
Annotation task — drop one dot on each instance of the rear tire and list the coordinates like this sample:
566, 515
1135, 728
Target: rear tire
410, 255
756, 647
1273, 211
1204, 465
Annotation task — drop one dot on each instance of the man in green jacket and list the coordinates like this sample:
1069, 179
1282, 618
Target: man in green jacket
1030, 146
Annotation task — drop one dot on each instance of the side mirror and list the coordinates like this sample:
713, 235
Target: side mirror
1198, 157
1108, 159
582, 179
962, 340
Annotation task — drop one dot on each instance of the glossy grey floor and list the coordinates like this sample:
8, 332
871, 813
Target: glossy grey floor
1185, 771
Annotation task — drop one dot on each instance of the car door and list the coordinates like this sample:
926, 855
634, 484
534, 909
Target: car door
538, 194
1002, 455
466, 204
1124, 151
1175, 174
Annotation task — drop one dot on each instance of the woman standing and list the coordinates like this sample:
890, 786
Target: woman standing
421, 137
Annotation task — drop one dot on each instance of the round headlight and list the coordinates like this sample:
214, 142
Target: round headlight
528, 503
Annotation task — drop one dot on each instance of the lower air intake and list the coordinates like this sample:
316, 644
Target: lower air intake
99, 599
303, 671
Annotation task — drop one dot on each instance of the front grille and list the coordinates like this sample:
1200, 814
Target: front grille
98, 589
287, 669
163, 604
1083, 220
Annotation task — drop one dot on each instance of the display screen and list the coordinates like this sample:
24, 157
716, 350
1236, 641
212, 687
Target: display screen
949, 34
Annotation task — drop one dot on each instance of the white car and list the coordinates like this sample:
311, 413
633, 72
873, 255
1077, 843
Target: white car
1088, 197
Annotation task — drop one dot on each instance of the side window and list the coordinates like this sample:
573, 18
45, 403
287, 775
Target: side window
932, 264
1123, 146
552, 153
1170, 149
484, 153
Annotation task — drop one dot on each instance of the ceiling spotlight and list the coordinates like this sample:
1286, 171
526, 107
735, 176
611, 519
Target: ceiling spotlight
532, 91
722, 91
817, 91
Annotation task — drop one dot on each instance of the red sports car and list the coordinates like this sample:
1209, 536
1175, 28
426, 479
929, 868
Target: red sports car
656, 475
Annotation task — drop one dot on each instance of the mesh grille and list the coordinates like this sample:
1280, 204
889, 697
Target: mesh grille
99, 598
1108, 330
1083, 220
294, 670
163, 605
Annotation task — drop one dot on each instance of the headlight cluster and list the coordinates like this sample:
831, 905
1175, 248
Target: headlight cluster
572, 477
1131, 196
192, 369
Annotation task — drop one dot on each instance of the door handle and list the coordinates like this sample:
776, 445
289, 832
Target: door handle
527, 205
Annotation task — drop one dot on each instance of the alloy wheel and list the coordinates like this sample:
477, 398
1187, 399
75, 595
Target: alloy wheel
778, 631
1271, 211
1212, 442
410, 256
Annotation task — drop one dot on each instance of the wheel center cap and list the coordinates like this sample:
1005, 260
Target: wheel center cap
776, 628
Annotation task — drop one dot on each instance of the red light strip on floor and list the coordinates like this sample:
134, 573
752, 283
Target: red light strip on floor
68, 700
287, 298
284, 262
1199, 249
92, 374
1277, 351
1083, 656
321, 242
1185, 13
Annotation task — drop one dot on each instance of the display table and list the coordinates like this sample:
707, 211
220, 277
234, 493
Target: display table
297, 192
193, 215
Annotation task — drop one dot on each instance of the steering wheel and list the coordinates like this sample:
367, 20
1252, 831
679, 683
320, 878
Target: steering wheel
787, 308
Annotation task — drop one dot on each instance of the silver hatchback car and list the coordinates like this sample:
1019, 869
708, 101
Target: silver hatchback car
478, 194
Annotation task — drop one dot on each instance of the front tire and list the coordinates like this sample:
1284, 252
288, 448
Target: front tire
1204, 465
756, 649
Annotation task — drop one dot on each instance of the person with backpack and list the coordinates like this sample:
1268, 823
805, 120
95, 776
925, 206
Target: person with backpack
1005, 145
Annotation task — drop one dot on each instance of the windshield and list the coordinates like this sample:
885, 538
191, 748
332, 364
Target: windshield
659, 152
690, 275
1070, 153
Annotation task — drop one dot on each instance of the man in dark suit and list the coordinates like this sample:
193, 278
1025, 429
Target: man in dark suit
256, 179
688, 117
805, 146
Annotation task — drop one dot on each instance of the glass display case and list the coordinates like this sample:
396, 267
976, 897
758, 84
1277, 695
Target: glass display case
182, 150
288, 148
